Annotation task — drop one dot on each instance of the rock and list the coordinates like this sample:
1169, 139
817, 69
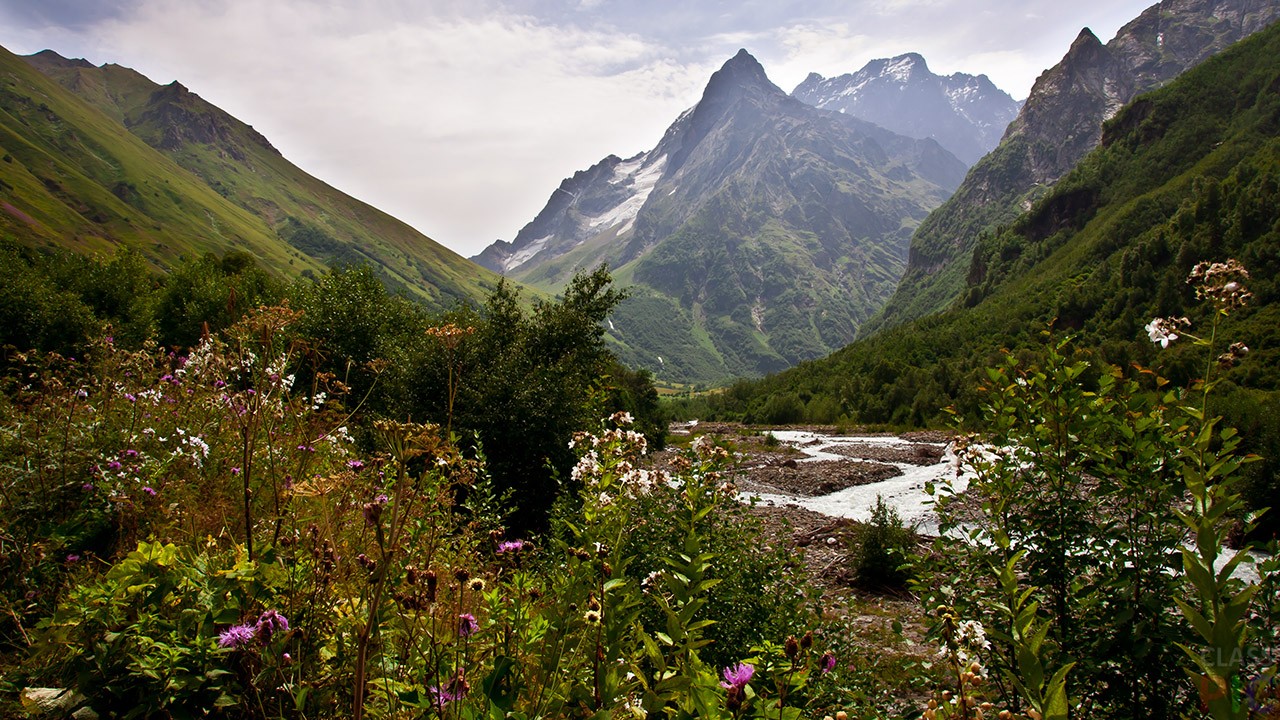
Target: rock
50, 701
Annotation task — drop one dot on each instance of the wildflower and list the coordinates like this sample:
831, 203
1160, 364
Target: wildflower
621, 418
510, 546
269, 623
1162, 330
149, 490
737, 676
235, 471
827, 663
467, 625
73, 558
355, 464
237, 635
592, 617
477, 585
443, 696
1221, 283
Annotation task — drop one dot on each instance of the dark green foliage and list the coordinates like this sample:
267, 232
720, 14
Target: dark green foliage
37, 312
884, 550
523, 382
210, 294
1078, 479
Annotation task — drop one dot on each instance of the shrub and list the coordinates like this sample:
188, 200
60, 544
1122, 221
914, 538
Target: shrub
883, 549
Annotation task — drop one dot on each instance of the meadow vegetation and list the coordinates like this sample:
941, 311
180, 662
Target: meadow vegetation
331, 504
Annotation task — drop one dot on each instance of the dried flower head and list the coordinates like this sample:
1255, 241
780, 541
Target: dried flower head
1221, 283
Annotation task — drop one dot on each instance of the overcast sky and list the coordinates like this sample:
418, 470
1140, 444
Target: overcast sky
461, 117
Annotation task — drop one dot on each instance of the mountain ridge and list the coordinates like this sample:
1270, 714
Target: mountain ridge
1060, 121
293, 222
965, 113
757, 233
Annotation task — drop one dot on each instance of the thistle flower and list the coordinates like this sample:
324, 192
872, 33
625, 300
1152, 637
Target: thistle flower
737, 676
827, 663
269, 623
467, 625
237, 635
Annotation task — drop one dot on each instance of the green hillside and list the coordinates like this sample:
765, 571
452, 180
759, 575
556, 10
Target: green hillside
97, 159
1185, 174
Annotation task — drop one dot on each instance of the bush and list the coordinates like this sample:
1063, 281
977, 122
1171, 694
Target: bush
883, 549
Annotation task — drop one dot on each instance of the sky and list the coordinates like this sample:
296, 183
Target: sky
461, 117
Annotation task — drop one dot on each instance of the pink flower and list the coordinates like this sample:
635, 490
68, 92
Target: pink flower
467, 625
510, 546
237, 635
738, 676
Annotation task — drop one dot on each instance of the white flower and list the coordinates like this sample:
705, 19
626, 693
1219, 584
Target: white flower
1161, 330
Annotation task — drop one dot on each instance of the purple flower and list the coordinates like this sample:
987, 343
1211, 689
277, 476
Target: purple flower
130, 453
443, 696
235, 471
131, 397
467, 625
827, 663
269, 623
150, 491
73, 558
237, 635
87, 487
738, 676
511, 546
355, 464
114, 465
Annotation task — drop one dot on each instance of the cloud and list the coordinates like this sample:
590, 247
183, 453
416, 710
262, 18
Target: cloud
458, 124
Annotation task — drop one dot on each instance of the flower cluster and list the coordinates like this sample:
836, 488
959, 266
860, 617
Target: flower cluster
1165, 330
1221, 283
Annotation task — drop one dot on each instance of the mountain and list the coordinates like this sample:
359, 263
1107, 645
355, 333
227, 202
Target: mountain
1185, 174
759, 232
98, 158
1059, 123
966, 114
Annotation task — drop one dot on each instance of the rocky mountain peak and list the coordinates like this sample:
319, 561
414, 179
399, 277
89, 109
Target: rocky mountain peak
741, 73
963, 113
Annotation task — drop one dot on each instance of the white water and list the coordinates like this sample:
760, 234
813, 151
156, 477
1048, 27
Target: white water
904, 493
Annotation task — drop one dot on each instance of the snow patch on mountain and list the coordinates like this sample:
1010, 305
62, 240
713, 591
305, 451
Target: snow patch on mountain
642, 179
525, 254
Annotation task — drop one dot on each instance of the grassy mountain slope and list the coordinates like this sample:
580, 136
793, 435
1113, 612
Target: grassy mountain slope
104, 158
1187, 173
